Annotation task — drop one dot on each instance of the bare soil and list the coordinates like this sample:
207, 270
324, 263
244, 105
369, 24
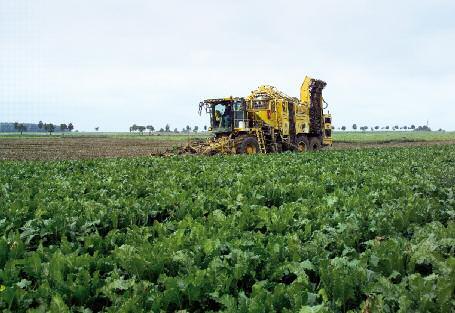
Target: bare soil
80, 148
57, 148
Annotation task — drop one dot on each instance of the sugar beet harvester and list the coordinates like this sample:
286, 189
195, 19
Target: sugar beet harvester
267, 121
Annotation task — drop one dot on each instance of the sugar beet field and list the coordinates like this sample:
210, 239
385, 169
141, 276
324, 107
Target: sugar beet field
369, 230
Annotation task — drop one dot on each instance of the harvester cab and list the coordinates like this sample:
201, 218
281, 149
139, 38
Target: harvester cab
226, 114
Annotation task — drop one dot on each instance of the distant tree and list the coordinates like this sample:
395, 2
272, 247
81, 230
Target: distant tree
188, 128
183, 129
161, 130
413, 127
49, 128
387, 127
343, 127
376, 127
141, 129
195, 129
150, 129
372, 129
397, 127
40, 125
354, 126
176, 130
70, 127
441, 130
97, 128
423, 128
20, 127
63, 127
167, 128
405, 127
205, 127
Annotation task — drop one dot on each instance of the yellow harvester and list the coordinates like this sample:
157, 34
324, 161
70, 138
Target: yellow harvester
268, 121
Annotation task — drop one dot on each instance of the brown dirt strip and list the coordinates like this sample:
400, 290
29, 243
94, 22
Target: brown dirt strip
58, 148
80, 148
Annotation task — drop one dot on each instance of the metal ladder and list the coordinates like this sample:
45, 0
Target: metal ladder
261, 140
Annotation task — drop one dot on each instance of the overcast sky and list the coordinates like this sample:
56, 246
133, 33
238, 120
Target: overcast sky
112, 63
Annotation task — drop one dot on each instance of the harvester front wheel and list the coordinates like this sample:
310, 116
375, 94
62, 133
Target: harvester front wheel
315, 144
248, 145
303, 144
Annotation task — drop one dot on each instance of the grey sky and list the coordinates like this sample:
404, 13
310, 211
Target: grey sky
112, 63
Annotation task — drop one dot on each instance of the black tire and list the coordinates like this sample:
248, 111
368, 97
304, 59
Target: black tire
302, 143
315, 144
248, 145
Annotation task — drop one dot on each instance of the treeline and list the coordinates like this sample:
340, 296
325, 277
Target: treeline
166, 129
50, 128
47, 127
395, 127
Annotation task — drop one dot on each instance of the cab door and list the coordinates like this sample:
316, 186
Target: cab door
240, 114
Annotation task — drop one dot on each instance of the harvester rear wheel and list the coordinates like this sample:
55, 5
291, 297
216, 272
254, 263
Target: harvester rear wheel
315, 144
303, 144
248, 145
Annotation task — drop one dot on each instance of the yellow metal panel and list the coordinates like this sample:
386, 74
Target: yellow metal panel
327, 141
305, 91
285, 128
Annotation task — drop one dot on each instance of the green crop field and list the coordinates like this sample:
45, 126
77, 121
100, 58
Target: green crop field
336, 231
391, 136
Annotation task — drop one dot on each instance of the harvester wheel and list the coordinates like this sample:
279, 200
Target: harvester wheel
249, 145
315, 144
303, 144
